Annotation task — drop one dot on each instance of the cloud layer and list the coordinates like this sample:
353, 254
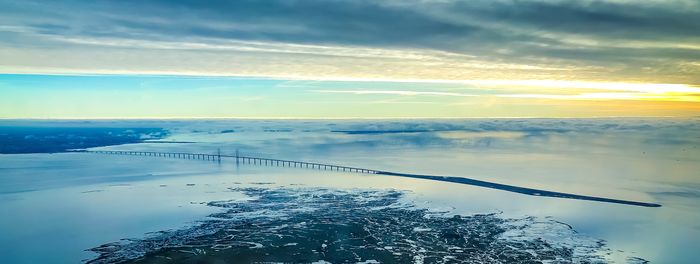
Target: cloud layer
614, 40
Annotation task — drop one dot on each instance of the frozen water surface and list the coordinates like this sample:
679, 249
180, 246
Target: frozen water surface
55, 207
340, 226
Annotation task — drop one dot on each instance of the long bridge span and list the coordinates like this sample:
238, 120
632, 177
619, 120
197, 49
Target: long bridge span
239, 159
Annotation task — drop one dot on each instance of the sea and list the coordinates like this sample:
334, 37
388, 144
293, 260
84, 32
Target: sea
62, 203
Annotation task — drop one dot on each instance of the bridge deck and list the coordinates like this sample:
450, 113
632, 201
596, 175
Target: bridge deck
321, 166
240, 159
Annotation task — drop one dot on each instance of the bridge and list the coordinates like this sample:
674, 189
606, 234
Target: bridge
321, 166
240, 159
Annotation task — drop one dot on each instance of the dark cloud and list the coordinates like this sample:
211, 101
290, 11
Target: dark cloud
632, 20
310, 22
513, 31
364, 22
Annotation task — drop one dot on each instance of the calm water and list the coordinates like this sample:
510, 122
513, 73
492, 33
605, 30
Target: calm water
56, 206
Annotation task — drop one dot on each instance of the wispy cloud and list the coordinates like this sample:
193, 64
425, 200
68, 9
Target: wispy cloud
608, 40
433, 58
611, 86
611, 96
395, 92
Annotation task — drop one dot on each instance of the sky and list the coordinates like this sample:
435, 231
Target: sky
349, 59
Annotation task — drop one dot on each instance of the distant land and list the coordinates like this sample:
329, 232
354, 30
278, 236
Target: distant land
43, 139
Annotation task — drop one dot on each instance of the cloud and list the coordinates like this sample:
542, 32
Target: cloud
395, 92
602, 41
556, 90
608, 96
611, 86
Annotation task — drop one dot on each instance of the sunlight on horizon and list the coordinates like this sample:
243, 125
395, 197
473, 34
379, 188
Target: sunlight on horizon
147, 96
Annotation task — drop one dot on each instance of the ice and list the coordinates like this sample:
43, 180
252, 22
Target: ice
351, 228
